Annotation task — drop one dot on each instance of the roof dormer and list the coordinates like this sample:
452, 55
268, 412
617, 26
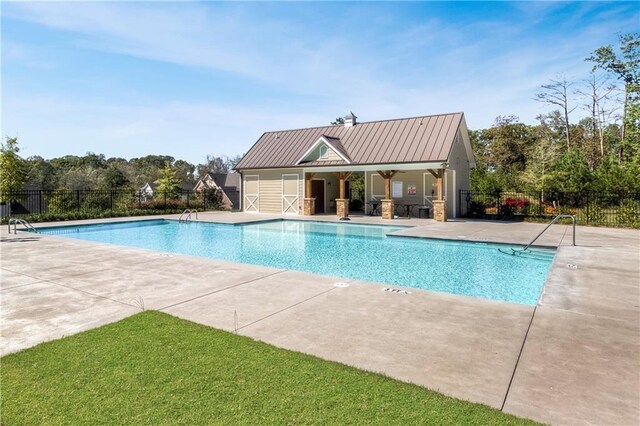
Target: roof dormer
326, 148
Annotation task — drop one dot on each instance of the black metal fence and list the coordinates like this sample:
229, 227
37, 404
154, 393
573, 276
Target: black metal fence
95, 202
589, 208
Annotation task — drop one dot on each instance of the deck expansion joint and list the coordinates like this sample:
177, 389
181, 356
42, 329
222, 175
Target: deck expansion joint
515, 367
287, 308
222, 289
89, 293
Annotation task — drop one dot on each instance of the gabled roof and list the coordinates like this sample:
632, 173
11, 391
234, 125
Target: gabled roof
226, 179
332, 143
405, 140
220, 180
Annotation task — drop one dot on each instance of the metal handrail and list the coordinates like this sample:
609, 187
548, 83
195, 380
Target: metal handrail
188, 213
16, 220
555, 219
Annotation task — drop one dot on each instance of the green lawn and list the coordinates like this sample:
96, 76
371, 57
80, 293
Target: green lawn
153, 368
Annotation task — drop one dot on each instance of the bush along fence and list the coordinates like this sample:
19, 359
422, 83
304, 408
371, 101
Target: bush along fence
38, 205
589, 208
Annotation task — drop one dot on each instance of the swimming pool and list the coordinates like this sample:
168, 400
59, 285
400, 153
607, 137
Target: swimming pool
362, 252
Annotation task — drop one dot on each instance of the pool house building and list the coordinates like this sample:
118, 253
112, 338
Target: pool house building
410, 166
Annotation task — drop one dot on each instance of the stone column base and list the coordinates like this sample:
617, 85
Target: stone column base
342, 207
440, 210
388, 209
309, 207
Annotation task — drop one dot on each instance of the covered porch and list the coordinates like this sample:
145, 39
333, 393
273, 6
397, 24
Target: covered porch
390, 191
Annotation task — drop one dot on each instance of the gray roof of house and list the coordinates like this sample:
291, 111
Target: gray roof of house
226, 179
404, 140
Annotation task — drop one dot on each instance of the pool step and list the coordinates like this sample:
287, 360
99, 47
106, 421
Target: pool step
530, 253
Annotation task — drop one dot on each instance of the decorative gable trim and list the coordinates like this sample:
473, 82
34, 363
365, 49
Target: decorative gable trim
325, 141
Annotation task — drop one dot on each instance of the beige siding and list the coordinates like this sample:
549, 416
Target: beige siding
376, 183
459, 162
315, 154
270, 189
290, 184
251, 185
291, 193
424, 183
251, 199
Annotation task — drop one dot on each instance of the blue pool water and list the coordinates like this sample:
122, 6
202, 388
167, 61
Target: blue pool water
362, 252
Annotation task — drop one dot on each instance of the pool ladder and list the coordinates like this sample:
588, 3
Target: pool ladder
186, 215
15, 221
555, 219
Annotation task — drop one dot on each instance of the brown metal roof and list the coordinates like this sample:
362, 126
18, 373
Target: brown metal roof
406, 140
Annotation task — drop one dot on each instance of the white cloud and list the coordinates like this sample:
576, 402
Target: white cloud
354, 59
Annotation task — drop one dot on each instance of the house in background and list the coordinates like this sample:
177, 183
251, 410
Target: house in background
227, 183
149, 189
418, 161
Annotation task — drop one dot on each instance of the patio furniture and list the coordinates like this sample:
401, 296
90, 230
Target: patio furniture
374, 206
423, 212
408, 208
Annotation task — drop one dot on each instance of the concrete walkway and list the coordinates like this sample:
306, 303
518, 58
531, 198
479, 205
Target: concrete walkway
573, 358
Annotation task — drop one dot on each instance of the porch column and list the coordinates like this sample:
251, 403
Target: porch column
342, 203
309, 205
440, 205
388, 207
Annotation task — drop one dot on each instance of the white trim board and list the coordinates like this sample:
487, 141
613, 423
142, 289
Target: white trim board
254, 201
322, 140
287, 198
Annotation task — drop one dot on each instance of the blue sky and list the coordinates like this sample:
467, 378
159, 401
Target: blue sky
194, 78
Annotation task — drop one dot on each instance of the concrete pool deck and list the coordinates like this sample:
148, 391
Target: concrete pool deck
573, 358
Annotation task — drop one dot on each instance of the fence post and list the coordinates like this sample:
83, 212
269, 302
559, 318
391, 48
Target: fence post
587, 207
165, 200
10, 203
540, 201
139, 199
78, 200
188, 193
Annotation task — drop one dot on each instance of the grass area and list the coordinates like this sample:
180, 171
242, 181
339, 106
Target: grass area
156, 369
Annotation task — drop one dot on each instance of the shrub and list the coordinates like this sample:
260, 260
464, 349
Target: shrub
594, 214
512, 206
81, 215
168, 204
476, 208
95, 200
60, 202
212, 199
629, 213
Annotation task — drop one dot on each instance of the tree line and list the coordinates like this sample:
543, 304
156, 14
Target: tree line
589, 140
95, 171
